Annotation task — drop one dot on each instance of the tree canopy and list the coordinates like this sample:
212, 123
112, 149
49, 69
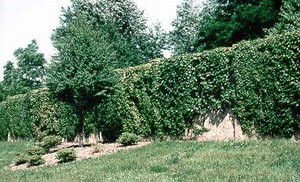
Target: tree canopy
221, 23
31, 66
28, 74
185, 26
225, 22
133, 41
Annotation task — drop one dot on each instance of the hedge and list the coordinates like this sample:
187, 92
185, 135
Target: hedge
268, 84
259, 81
50, 116
17, 117
35, 115
3, 122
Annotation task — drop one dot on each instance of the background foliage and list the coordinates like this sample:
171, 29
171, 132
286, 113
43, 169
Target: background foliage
288, 18
218, 23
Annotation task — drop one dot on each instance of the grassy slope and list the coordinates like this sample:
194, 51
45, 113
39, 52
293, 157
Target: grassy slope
276, 160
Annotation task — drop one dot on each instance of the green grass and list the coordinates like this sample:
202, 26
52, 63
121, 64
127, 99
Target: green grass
8, 151
269, 160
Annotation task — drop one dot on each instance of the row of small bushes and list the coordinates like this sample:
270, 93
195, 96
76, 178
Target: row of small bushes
257, 80
35, 153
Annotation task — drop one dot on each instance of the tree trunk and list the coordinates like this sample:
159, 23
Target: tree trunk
80, 127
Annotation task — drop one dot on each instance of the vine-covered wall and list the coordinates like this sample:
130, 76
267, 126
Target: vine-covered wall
258, 80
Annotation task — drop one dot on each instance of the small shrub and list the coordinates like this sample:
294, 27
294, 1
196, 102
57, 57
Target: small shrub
128, 138
36, 150
35, 160
200, 130
173, 158
158, 169
66, 155
50, 141
21, 159
97, 148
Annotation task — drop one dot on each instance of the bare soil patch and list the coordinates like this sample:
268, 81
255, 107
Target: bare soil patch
220, 126
81, 153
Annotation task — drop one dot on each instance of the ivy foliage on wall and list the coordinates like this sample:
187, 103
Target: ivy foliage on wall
259, 81
267, 91
35, 115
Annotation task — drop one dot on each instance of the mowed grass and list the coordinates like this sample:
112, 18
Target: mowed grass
9, 150
268, 160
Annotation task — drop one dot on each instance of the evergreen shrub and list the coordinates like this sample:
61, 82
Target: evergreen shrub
50, 142
35, 160
66, 155
128, 138
21, 159
36, 150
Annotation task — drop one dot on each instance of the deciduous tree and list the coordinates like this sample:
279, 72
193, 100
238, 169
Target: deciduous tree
82, 71
31, 66
225, 22
185, 26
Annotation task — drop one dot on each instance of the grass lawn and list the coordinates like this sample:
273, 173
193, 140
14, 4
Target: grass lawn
269, 160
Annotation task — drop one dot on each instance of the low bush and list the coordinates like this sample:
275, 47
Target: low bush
36, 150
66, 155
50, 141
200, 130
97, 148
21, 159
35, 160
128, 138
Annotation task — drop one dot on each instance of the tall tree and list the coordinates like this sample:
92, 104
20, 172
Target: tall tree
2, 94
225, 22
82, 71
185, 26
31, 68
10, 80
8, 73
125, 24
28, 74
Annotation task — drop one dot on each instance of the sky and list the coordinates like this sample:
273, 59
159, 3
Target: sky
24, 20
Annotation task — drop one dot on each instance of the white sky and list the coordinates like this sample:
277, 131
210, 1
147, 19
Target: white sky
24, 20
